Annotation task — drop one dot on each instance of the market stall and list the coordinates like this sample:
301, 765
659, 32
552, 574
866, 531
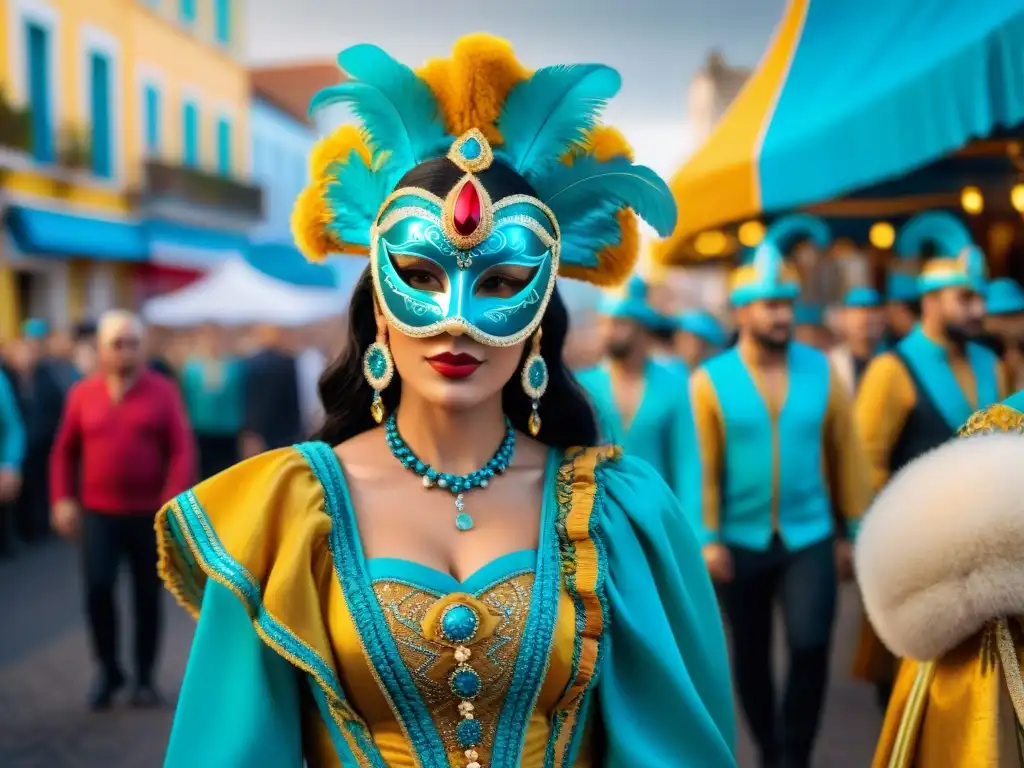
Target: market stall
236, 293
851, 96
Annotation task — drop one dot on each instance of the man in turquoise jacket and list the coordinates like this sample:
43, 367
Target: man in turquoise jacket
642, 402
12, 453
783, 489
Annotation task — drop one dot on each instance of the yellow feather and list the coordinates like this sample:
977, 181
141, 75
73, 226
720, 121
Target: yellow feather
604, 143
335, 147
310, 218
472, 85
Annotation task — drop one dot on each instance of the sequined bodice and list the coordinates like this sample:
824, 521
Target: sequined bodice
461, 650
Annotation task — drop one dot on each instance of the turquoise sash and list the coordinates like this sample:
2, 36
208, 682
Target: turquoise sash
930, 367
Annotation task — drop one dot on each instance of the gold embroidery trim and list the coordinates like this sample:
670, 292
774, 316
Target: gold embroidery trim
995, 418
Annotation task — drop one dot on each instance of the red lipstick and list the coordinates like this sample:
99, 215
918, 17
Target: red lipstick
454, 366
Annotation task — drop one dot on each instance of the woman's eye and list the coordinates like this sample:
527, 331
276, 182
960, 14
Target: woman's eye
421, 279
501, 286
418, 273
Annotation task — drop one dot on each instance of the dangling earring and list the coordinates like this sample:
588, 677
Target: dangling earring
379, 369
535, 382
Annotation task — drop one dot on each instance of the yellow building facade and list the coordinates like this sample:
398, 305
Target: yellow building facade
146, 86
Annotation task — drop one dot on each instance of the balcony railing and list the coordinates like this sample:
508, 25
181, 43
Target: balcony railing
163, 181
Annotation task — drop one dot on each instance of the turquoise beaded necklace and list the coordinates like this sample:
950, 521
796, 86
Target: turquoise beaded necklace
457, 485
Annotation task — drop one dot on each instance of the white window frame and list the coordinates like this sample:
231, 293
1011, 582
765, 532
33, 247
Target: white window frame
95, 39
41, 13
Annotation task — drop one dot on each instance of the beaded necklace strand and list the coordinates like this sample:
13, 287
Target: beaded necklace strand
457, 485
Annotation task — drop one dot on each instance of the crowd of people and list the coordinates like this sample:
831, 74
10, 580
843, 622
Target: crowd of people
797, 424
98, 428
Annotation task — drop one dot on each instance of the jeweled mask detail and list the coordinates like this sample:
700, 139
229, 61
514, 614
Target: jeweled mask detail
465, 264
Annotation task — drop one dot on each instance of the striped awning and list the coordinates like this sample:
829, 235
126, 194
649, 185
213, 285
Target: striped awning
849, 94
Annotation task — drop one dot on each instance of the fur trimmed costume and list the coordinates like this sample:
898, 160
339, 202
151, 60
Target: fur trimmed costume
940, 561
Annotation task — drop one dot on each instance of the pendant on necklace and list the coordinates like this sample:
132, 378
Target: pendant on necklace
462, 519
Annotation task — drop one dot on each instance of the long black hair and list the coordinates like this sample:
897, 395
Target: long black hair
567, 418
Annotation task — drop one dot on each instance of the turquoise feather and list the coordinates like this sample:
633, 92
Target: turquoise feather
573, 190
586, 236
546, 114
396, 108
942, 229
354, 196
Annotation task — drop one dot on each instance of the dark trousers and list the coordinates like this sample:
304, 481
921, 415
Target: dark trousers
32, 510
216, 453
804, 583
106, 540
6, 529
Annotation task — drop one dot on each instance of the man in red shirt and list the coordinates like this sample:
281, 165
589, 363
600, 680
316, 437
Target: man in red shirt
124, 447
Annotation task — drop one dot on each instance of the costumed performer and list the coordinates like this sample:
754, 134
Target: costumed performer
699, 336
863, 326
902, 305
784, 487
643, 403
915, 396
1004, 324
940, 561
453, 575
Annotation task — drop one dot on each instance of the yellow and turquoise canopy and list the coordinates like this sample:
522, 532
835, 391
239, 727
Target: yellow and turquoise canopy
851, 93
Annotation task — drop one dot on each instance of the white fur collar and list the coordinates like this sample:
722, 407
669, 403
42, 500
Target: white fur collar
941, 551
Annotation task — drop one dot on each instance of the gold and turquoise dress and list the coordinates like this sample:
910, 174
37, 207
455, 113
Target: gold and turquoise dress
603, 647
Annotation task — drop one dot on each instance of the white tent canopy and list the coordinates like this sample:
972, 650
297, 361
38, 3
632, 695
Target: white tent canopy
236, 293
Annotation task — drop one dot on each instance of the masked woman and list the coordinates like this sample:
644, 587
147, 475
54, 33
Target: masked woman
940, 561
443, 579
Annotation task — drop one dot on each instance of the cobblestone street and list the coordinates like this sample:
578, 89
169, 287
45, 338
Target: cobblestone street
45, 672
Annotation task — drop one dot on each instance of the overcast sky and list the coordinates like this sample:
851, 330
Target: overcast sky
656, 44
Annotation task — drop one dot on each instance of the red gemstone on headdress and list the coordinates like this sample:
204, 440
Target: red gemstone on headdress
466, 216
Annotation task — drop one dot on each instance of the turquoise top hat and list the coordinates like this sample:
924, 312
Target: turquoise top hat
632, 304
1004, 297
703, 325
768, 276
959, 263
901, 287
34, 328
809, 314
862, 296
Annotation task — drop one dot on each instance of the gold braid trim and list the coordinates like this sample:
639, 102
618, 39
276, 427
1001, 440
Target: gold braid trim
995, 418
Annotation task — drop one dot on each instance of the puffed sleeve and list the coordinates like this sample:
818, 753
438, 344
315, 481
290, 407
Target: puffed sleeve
247, 553
665, 694
237, 688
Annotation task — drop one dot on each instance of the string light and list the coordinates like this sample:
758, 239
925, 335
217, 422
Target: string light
972, 201
751, 233
882, 235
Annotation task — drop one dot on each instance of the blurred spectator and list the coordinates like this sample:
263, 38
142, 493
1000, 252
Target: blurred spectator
273, 417
40, 388
60, 349
124, 447
310, 363
83, 356
158, 340
213, 388
12, 451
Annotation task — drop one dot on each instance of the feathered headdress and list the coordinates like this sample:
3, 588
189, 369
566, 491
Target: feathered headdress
543, 125
957, 260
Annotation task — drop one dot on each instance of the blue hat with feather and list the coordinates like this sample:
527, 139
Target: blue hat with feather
901, 287
703, 325
862, 296
1004, 297
768, 275
958, 262
631, 304
35, 328
471, 125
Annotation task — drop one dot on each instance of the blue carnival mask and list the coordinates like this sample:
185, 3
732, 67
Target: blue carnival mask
465, 264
